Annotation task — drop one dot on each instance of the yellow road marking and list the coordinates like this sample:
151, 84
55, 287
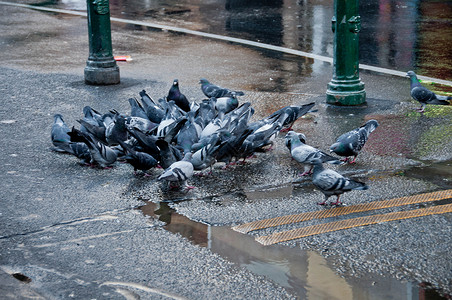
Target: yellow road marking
343, 210
350, 223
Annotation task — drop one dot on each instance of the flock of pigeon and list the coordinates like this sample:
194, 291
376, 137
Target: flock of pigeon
181, 137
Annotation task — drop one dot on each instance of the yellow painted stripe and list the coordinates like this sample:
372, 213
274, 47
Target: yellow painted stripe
343, 210
350, 223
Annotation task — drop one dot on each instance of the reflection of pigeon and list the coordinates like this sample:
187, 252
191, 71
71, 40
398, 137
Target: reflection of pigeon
423, 95
305, 154
179, 98
59, 134
330, 182
178, 173
212, 90
350, 143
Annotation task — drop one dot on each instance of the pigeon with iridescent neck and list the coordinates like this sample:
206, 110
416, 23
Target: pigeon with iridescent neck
351, 143
330, 182
423, 95
306, 155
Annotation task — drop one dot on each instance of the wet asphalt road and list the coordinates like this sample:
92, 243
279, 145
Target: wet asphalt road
76, 232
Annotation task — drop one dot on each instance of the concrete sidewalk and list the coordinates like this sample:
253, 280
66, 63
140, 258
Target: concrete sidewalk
76, 232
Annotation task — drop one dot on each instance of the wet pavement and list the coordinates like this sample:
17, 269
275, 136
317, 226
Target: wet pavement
79, 232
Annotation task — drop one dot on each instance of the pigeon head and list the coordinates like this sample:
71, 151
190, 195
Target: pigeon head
338, 148
292, 137
203, 81
410, 74
58, 117
175, 82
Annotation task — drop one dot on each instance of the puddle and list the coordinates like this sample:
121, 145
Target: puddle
437, 173
306, 274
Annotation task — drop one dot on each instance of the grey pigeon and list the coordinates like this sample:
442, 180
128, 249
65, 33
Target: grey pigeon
59, 134
168, 154
212, 90
305, 154
330, 182
226, 104
92, 117
154, 112
136, 109
81, 151
175, 94
350, 143
258, 139
139, 160
423, 95
101, 154
206, 111
230, 148
142, 124
289, 114
117, 130
188, 134
95, 130
147, 142
204, 157
178, 173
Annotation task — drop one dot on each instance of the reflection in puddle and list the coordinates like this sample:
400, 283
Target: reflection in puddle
437, 173
306, 274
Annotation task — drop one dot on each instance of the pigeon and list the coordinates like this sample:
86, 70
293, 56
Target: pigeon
154, 112
81, 151
92, 117
179, 98
188, 134
226, 104
423, 95
305, 154
59, 134
204, 157
177, 174
101, 154
350, 143
116, 130
139, 160
146, 142
212, 90
258, 139
230, 148
95, 130
136, 109
168, 153
330, 182
142, 124
289, 114
206, 111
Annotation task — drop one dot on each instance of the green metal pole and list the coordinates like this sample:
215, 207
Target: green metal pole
101, 67
346, 88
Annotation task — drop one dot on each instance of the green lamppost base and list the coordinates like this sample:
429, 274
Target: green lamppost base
102, 72
342, 92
